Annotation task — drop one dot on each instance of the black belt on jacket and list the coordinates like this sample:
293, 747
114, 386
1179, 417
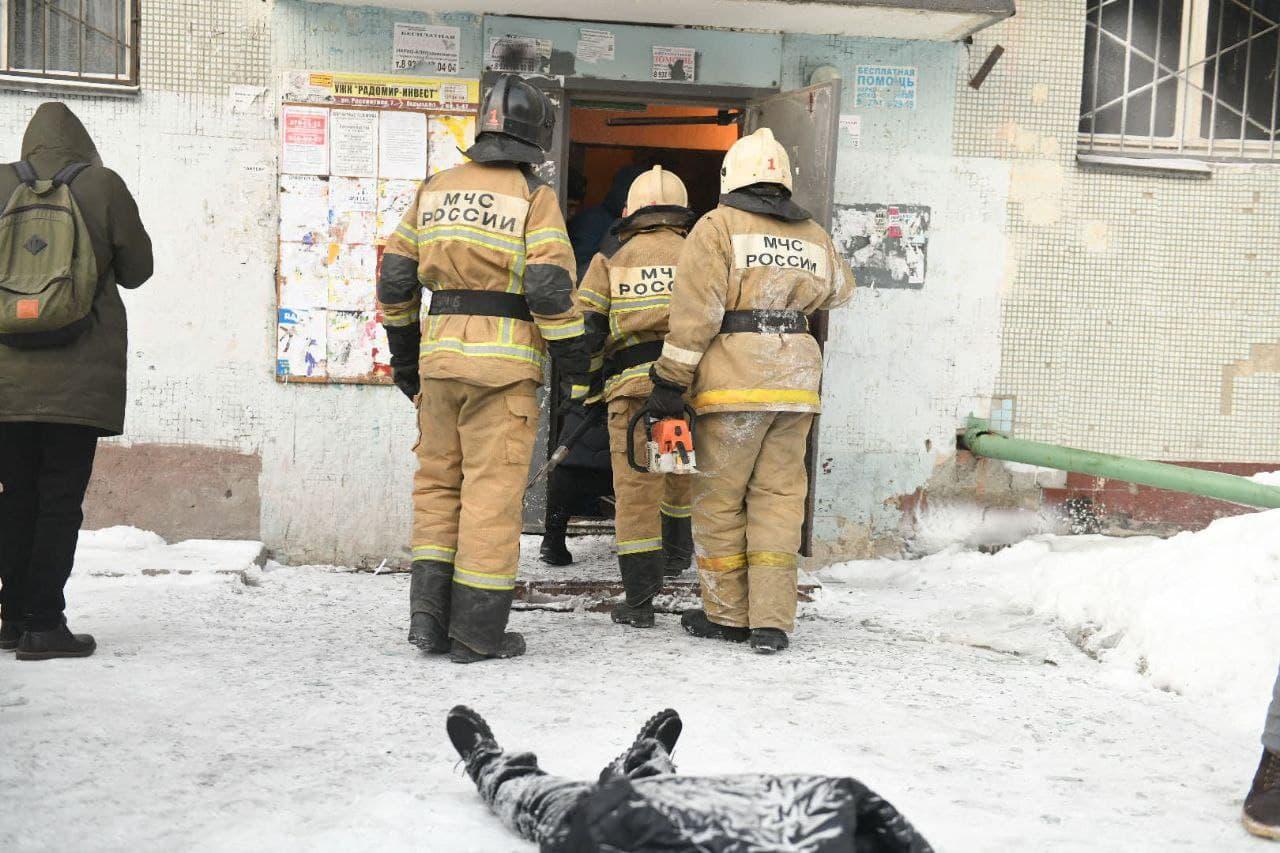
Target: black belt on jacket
632, 356
765, 321
480, 303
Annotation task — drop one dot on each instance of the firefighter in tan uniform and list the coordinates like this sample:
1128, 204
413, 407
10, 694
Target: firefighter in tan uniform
751, 274
625, 297
488, 241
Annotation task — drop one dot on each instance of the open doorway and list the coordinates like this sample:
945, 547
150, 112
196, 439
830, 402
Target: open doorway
610, 143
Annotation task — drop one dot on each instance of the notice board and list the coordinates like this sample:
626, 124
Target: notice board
353, 150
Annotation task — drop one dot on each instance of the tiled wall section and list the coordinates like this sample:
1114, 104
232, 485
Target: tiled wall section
1132, 300
202, 47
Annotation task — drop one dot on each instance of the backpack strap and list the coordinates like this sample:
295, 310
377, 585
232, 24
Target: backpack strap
26, 173
68, 173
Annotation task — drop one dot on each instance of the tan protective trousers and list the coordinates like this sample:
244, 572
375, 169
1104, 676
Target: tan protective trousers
748, 512
641, 499
473, 452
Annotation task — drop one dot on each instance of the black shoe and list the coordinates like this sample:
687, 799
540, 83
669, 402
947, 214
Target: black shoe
677, 545
696, 623
641, 581
553, 550
467, 730
55, 643
10, 633
766, 641
1262, 806
512, 647
428, 634
664, 727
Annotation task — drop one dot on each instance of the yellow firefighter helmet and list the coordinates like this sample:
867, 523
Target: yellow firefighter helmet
755, 159
656, 186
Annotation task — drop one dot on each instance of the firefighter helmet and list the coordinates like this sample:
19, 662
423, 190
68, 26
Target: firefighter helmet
755, 159
519, 109
656, 187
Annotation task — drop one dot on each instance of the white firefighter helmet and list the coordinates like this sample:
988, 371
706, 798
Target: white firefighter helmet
755, 159
656, 186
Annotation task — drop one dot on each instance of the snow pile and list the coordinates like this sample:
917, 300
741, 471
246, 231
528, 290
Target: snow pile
121, 551
942, 524
1267, 478
1196, 614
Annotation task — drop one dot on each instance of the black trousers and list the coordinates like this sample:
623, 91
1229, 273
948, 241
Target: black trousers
44, 471
577, 491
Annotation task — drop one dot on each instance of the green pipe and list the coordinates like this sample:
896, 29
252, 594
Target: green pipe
981, 440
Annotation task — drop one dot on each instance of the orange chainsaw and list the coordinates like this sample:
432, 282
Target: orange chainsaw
668, 444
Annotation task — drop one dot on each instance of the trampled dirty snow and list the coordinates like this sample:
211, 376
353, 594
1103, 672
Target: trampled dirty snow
280, 708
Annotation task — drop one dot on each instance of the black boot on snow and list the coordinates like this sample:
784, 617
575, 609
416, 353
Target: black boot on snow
428, 634
55, 643
467, 730
1262, 806
664, 727
512, 647
641, 581
553, 551
766, 641
10, 633
677, 545
695, 622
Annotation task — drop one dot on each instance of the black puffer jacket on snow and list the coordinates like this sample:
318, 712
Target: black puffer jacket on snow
738, 814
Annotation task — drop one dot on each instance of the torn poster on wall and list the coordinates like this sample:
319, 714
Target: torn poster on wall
352, 342
300, 342
521, 54
675, 63
886, 244
885, 86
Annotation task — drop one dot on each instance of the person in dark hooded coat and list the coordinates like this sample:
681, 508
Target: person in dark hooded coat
56, 402
639, 802
589, 230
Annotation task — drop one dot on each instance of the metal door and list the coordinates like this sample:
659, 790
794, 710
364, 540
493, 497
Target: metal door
806, 122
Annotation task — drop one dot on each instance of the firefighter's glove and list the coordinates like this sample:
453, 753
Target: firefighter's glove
571, 356
667, 398
403, 341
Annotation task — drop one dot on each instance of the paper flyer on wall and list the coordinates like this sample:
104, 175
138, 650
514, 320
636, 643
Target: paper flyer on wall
352, 337
353, 145
402, 145
675, 63
388, 92
304, 209
353, 274
353, 205
300, 342
304, 140
885, 86
304, 275
394, 198
595, 45
447, 138
521, 54
430, 49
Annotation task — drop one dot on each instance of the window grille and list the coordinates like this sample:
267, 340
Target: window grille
1189, 78
92, 41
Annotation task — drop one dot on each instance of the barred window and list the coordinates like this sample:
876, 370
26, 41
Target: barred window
1194, 78
90, 41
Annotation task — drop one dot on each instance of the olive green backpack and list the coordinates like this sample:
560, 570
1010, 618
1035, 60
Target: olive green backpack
48, 272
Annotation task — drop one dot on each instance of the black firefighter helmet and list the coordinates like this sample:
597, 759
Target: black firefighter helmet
517, 108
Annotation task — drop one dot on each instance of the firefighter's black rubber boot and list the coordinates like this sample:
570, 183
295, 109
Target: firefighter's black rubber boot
664, 727
428, 634
695, 622
553, 551
512, 647
467, 730
677, 545
430, 602
766, 641
641, 580
10, 633
55, 643
1262, 807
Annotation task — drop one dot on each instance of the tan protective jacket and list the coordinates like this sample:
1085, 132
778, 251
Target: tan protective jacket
630, 291
484, 227
736, 260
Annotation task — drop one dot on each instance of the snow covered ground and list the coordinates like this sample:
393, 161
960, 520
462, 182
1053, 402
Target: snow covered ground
1064, 694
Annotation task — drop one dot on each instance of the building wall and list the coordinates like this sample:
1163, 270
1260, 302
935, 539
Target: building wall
1141, 315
